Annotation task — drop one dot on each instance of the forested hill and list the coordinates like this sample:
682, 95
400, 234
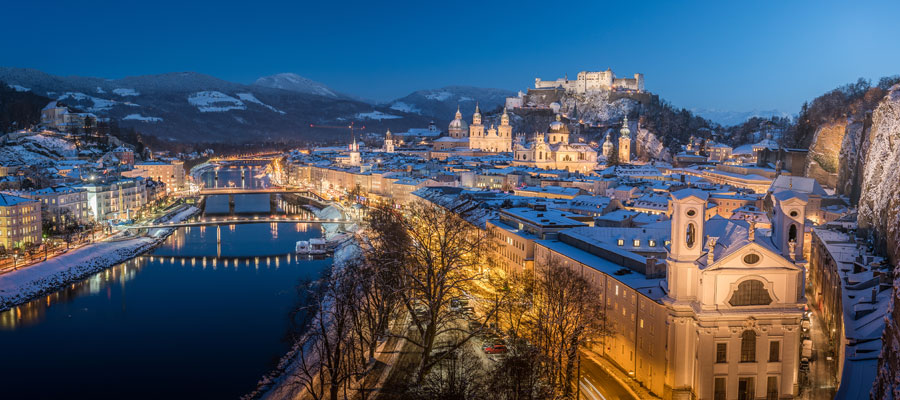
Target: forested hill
19, 108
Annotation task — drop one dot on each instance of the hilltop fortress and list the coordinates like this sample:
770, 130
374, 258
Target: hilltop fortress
588, 82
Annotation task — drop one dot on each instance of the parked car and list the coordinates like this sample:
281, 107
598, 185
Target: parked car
496, 349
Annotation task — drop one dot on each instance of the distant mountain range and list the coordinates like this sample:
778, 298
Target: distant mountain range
190, 106
441, 103
729, 118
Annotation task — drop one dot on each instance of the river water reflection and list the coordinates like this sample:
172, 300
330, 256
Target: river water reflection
179, 322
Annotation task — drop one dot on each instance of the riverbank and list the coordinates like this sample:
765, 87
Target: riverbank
18, 287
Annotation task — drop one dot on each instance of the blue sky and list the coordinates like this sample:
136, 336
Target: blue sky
737, 55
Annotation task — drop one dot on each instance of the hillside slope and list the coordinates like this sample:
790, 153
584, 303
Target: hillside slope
440, 104
193, 107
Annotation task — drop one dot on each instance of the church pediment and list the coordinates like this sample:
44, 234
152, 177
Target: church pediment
750, 256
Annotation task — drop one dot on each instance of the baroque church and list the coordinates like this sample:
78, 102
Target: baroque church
734, 302
553, 151
476, 137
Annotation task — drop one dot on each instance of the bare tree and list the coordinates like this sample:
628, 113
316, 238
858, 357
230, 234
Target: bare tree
566, 313
436, 255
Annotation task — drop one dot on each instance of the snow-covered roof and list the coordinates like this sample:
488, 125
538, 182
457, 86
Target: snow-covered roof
8, 200
798, 184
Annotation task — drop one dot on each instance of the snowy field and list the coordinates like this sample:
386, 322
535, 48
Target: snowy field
249, 97
126, 92
213, 101
139, 117
407, 108
377, 115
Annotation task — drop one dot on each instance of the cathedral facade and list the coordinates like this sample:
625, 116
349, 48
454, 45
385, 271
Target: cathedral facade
735, 301
553, 151
497, 140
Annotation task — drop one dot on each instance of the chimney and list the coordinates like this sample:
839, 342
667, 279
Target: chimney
711, 243
650, 269
875, 294
751, 233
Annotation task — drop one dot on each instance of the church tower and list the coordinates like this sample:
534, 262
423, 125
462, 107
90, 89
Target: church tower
388, 142
476, 130
688, 218
788, 221
625, 143
505, 129
688, 208
355, 157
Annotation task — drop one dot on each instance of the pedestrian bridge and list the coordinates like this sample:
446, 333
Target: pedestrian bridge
236, 221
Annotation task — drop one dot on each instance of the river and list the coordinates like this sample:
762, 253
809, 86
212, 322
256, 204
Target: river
177, 322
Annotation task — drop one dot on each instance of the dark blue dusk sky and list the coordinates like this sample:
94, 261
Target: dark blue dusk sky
737, 55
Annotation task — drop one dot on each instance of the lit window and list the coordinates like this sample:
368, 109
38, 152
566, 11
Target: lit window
637, 243
651, 243
621, 242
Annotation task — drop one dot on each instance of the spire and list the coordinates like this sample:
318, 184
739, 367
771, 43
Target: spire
504, 119
625, 132
458, 114
476, 108
558, 117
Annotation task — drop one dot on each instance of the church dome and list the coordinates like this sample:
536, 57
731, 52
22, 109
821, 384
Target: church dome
458, 123
558, 126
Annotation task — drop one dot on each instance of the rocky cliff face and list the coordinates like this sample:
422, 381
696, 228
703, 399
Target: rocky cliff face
879, 202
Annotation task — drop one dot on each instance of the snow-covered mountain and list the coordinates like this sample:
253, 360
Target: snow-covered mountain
730, 118
296, 83
189, 106
440, 104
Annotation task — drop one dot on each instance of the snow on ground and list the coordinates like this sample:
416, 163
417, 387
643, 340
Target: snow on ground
100, 90
60, 146
407, 108
466, 98
249, 97
20, 88
439, 96
376, 115
18, 155
126, 92
139, 117
19, 286
99, 104
213, 101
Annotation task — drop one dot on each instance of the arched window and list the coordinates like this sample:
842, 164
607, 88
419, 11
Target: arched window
691, 235
792, 233
750, 293
748, 346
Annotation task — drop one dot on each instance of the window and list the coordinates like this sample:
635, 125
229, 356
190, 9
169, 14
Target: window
719, 389
746, 389
750, 293
751, 258
637, 243
774, 351
721, 352
748, 346
621, 242
651, 243
792, 233
689, 237
772, 388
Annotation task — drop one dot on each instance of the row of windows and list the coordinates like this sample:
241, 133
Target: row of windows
637, 242
746, 388
748, 349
